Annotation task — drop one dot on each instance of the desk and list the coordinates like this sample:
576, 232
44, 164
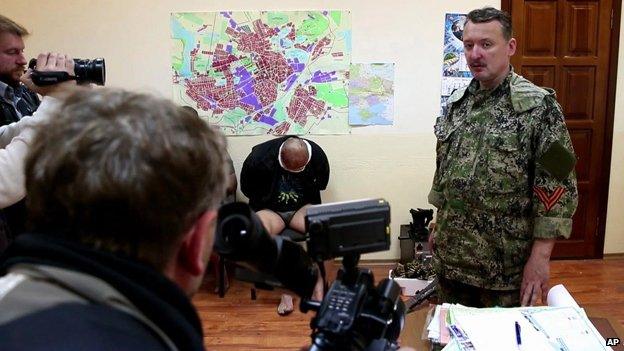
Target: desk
414, 325
415, 322
606, 326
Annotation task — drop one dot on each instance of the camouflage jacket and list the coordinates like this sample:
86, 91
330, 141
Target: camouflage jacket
504, 176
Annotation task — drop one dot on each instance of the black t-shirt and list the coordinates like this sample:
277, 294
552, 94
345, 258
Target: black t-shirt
290, 194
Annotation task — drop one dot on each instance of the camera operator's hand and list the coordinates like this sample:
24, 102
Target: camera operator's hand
51, 62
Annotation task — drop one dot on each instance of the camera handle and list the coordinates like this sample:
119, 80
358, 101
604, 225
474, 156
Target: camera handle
351, 270
50, 78
349, 277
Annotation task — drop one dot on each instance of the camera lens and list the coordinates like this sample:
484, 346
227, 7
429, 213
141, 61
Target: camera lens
90, 71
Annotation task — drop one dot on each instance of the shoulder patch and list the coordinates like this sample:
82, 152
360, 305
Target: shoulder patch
558, 161
457, 94
526, 95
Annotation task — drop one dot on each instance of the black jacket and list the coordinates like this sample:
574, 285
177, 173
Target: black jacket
26, 107
91, 324
261, 173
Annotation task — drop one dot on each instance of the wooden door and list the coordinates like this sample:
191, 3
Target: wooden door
571, 46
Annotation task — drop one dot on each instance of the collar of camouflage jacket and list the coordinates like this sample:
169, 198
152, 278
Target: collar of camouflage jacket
524, 95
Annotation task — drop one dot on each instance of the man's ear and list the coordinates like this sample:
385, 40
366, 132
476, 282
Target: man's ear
197, 244
512, 46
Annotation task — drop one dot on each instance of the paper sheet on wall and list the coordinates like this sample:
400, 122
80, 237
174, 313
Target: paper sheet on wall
371, 94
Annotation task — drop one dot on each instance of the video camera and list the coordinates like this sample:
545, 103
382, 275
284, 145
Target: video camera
354, 314
85, 71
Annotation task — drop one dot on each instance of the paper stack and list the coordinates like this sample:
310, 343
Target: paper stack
561, 326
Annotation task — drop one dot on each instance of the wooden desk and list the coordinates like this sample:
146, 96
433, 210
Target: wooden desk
415, 323
413, 329
607, 326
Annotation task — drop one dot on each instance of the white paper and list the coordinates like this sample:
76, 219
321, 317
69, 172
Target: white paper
497, 331
558, 296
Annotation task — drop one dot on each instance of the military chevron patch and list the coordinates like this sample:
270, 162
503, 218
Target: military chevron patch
549, 200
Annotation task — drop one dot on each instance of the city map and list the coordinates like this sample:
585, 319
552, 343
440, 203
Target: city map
264, 72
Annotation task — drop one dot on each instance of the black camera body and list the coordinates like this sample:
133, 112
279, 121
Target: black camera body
85, 71
354, 314
351, 227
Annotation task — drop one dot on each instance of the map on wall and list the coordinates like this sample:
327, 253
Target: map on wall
455, 71
264, 72
371, 94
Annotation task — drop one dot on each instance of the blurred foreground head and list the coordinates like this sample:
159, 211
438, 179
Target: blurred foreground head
129, 173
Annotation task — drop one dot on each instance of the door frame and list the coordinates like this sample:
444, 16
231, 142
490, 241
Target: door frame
603, 178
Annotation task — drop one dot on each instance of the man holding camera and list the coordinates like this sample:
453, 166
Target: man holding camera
16, 101
15, 138
123, 190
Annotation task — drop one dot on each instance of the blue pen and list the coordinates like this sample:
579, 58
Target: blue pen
518, 337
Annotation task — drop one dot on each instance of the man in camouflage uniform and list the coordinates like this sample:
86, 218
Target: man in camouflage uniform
504, 186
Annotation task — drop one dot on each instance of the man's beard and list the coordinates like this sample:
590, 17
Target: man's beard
9, 80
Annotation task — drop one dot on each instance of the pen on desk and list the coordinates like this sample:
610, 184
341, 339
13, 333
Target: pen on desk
518, 337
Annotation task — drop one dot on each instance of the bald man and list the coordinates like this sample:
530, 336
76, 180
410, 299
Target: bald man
281, 178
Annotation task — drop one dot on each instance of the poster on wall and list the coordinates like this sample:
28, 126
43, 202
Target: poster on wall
264, 72
371, 94
455, 71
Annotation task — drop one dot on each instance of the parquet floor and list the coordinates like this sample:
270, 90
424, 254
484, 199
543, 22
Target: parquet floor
236, 322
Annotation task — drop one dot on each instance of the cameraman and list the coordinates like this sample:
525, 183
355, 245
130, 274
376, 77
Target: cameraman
123, 190
16, 137
16, 101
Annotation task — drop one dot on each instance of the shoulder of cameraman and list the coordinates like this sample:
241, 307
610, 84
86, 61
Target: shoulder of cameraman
15, 140
10, 131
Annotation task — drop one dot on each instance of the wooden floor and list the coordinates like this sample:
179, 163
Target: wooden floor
236, 322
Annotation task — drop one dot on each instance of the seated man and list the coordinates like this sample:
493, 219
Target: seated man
281, 178
123, 190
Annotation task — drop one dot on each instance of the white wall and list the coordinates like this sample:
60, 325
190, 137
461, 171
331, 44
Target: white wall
395, 162
614, 238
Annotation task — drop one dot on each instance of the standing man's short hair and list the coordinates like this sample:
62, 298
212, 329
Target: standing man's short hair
124, 172
7, 25
488, 14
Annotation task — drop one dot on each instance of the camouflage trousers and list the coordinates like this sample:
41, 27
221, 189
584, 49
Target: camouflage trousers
451, 291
